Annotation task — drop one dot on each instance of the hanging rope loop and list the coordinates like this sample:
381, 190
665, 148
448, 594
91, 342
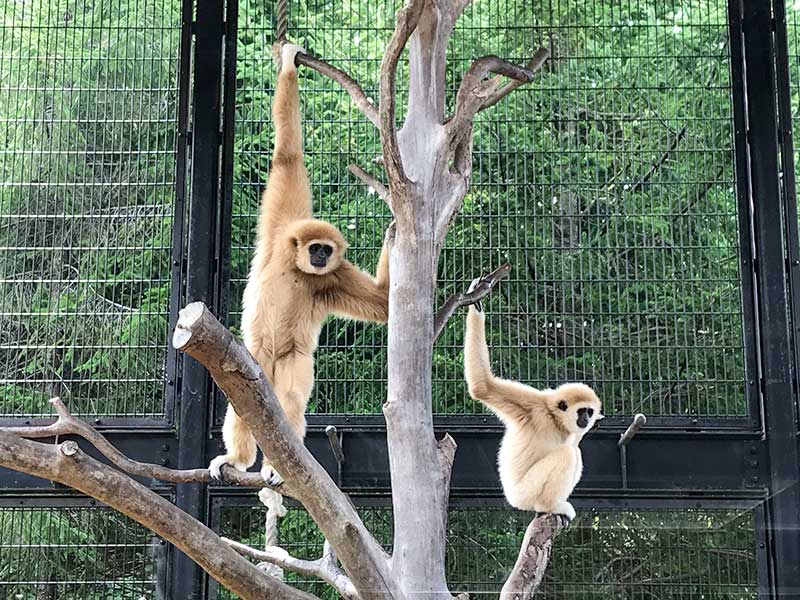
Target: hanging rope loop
281, 20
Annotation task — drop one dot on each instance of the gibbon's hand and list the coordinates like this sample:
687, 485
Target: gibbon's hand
478, 306
284, 53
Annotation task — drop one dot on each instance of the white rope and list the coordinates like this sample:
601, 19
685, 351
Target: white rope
275, 510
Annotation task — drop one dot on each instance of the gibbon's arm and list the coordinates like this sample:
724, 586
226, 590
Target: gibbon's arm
288, 194
360, 296
508, 399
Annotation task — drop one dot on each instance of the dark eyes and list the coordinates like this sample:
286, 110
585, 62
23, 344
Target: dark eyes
590, 411
562, 405
314, 248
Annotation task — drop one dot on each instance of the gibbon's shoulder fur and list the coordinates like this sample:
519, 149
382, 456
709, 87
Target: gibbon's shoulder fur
539, 460
298, 276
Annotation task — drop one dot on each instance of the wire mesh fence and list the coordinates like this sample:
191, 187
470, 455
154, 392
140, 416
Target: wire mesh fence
792, 8
690, 554
88, 113
607, 183
76, 553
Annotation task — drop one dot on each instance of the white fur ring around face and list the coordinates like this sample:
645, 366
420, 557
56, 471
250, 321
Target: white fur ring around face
288, 52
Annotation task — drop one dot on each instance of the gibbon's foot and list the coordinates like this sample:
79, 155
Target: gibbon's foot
284, 54
271, 476
215, 467
478, 306
566, 509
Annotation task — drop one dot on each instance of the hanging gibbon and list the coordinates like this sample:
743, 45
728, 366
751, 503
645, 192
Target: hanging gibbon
298, 276
539, 460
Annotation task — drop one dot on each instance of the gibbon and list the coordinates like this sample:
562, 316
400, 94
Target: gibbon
298, 276
539, 460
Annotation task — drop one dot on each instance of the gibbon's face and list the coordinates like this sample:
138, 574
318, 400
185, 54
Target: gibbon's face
318, 245
577, 407
318, 256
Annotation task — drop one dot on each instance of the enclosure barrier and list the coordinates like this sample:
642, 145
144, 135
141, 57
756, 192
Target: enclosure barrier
642, 189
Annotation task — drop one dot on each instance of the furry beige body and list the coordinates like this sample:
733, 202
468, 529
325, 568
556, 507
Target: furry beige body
298, 276
539, 459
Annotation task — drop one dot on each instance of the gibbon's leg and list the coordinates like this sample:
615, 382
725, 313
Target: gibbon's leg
509, 399
294, 380
240, 445
548, 484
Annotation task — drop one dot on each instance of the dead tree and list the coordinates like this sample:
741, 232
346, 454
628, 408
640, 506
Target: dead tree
428, 162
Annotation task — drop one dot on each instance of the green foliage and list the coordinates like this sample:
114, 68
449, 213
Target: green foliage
602, 555
74, 554
607, 183
89, 116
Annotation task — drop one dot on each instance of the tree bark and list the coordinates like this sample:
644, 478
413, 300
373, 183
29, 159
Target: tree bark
533, 557
200, 335
67, 464
417, 497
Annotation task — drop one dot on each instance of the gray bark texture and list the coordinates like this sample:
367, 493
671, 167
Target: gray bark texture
428, 163
200, 335
67, 464
533, 557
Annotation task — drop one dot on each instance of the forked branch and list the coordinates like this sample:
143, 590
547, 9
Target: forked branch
476, 93
324, 568
533, 557
456, 301
533, 65
68, 465
66, 424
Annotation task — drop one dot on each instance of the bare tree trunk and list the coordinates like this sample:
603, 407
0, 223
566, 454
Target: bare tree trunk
417, 497
428, 163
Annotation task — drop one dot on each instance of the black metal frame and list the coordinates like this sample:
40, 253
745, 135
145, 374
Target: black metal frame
753, 462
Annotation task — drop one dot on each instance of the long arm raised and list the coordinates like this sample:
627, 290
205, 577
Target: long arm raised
509, 399
288, 194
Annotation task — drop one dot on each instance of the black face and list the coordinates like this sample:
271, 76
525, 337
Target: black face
584, 414
319, 254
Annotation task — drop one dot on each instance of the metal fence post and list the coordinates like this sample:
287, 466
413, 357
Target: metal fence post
773, 299
187, 577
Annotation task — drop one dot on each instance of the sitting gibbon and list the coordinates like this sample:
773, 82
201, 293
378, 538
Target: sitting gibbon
539, 459
298, 276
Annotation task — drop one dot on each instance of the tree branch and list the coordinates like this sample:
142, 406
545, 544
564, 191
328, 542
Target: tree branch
446, 451
533, 556
371, 181
323, 568
68, 465
350, 85
407, 20
66, 424
533, 65
474, 93
456, 301
200, 335
661, 159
